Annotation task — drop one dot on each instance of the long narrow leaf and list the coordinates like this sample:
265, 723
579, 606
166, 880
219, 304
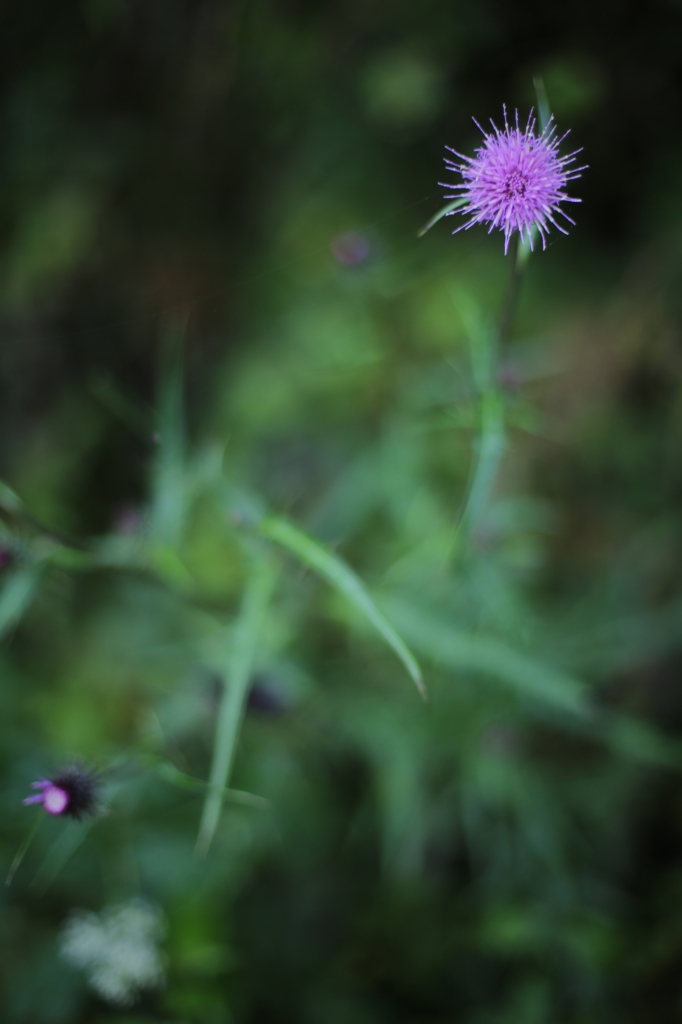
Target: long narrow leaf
182, 780
343, 579
489, 656
169, 498
239, 662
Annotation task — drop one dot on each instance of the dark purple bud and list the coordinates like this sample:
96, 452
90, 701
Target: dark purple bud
73, 791
351, 248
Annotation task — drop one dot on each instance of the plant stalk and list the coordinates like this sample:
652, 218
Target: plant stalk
511, 299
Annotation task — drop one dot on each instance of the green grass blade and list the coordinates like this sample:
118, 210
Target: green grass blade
169, 497
167, 771
239, 663
488, 656
343, 579
464, 652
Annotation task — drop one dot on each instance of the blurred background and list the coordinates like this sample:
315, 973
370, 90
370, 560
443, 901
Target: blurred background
250, 176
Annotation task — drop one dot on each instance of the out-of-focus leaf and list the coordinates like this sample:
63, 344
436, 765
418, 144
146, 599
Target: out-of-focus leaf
491, 441
340, 576
72, 559
490, 447
239, 658
119, 405
9, 501
243, 508
464, 652
169, 498
487, 655
175, 777
642, 742
165, 561
53, 240
16, 596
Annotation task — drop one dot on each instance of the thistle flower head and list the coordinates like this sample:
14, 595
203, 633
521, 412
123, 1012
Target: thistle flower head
72, 791
516, 180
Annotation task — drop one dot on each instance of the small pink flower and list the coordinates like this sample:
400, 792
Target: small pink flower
72, 792
515, 181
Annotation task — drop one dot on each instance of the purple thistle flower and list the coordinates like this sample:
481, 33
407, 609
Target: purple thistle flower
516, 181
73, 791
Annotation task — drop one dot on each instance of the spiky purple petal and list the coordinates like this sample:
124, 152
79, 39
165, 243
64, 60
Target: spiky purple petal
515, 182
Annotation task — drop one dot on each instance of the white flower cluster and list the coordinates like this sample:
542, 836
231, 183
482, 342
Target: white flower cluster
118, 949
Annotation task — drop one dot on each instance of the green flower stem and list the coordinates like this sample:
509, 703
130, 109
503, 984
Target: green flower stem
239, 666
491, 445
511, 299
486, 347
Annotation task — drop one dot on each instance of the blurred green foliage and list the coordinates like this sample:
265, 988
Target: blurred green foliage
265, 469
